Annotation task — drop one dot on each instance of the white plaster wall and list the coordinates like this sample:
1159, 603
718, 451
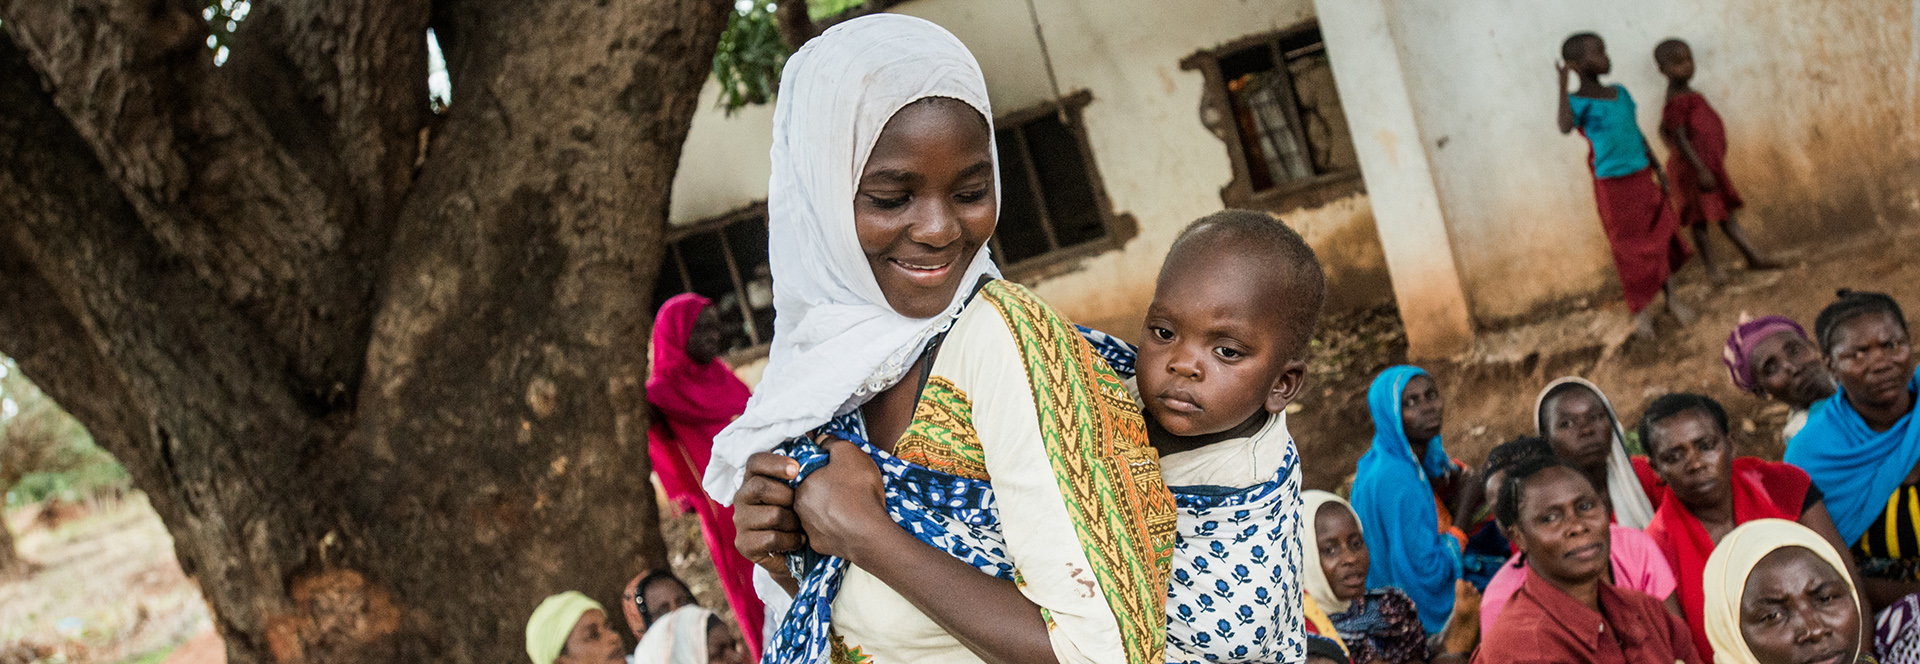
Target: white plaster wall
724, 164
1156, 160
1819, 99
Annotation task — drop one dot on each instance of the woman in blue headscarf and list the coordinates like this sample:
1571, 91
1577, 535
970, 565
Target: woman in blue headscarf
1861, 446
1411, 540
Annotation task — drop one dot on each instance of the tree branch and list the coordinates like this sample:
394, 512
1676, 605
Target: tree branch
186, 392
796, 24
236, 170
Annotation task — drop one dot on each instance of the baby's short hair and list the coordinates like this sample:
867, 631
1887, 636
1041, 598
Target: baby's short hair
1667, 50
1263, 236
1574, 46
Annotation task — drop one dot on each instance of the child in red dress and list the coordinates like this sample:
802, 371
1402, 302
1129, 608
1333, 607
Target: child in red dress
1697, 162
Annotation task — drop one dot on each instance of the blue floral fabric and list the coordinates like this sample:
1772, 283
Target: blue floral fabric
953, 514
1236, 574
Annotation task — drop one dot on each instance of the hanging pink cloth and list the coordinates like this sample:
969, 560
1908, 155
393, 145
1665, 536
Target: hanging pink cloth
696, 401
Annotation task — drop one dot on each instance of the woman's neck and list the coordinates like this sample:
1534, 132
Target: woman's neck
1587, 593
1419, 448
1715, 516
1881, 417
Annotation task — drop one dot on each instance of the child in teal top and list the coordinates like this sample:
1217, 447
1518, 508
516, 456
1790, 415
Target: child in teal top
1643, 230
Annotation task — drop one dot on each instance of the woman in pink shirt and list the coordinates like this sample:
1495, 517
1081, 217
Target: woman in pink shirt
1635, 561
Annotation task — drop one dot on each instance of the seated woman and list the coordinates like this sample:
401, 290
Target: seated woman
959, 477
688, 635
1862, 446
652, 594
1771, 357
1565, 611
1401, 493
1633, 560
1577, 418
1709, 492
571, 628
1378, 626
1778, 593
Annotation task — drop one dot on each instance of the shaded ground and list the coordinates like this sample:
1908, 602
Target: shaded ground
1490, 393
104, 588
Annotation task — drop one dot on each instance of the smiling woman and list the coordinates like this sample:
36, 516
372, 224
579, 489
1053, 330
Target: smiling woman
953, 471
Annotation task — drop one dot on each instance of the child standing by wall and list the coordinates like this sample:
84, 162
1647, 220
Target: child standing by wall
1641, 227
1698, 144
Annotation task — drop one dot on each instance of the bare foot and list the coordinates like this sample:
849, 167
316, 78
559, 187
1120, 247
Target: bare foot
1643, 325
1680, 313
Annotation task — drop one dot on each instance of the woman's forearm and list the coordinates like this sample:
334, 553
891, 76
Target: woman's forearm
986, 614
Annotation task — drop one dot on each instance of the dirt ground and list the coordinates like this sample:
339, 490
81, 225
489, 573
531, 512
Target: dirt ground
103, 587
107, 588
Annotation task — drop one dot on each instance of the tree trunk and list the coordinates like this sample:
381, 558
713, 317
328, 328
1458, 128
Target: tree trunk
796, 24
10, 561
380, 372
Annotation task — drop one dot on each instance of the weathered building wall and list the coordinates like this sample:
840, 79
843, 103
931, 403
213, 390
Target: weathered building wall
1819, 99
1157, 162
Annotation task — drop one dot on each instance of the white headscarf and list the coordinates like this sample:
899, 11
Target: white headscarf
680, 637
1733, 561
1312, 577
836, 342
1631, 507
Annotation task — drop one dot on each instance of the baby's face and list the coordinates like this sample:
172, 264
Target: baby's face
1214, 349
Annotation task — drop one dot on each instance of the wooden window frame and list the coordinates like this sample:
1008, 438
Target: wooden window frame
718, 224
1216, 113
1120, 226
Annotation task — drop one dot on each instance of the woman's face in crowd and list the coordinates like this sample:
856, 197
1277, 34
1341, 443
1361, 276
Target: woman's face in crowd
663, 596
1343, 551
722, 648
1797, 609
703, 343
1788, 368
592, 642
1579, 428
1694, 457
1562, 527
1873, 358
1422, 409
924, 204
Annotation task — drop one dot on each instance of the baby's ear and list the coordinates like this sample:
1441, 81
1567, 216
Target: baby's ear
1286, 385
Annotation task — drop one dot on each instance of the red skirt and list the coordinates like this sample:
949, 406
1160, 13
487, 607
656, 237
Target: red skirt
1644, 232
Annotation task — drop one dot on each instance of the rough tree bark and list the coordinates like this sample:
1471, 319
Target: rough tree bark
796, 24
380, 372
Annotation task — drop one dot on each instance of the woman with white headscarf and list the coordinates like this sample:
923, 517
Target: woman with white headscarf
1578, 420
960, 394
688, 635
1379, 625
1777, 592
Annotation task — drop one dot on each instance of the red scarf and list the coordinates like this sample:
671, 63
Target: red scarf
1761, 490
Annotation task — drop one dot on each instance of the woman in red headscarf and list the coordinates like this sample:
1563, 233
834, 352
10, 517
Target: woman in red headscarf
694, 396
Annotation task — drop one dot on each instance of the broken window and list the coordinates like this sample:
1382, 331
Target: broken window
1052, 205
1272, 99
724, 259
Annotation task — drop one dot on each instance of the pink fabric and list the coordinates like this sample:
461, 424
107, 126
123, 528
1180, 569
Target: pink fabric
1638, 563
696, 401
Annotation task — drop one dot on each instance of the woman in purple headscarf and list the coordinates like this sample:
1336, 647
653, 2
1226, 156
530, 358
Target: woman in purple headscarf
1771, 357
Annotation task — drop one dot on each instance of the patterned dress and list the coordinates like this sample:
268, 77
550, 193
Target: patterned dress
1016, 409
1384, 626
1236, 566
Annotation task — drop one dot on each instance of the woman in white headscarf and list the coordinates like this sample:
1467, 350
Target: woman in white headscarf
688, 635
1576, 417
961, 394
1777, 592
